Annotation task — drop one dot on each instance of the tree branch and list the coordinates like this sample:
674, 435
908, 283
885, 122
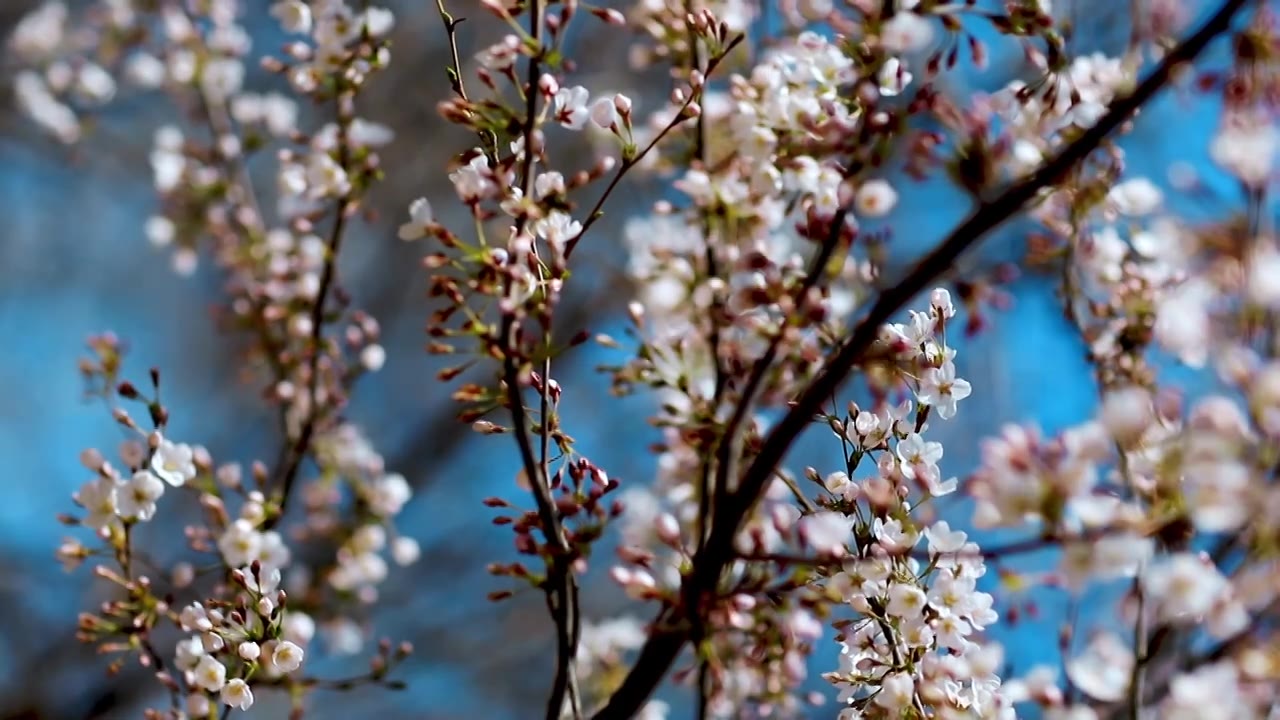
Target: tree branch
287, 471
561, 586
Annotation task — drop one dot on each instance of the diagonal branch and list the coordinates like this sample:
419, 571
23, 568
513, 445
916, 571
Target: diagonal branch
671, 632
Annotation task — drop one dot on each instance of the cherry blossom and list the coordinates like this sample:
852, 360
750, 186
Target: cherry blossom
136, 499
571, 107
942, 389
420, 220
100, 497
173, 462
237, 694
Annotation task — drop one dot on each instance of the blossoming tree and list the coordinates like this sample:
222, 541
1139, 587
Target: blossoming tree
765, 305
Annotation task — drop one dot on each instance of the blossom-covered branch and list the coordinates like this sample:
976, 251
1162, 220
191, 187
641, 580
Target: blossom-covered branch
763, 281
662, 648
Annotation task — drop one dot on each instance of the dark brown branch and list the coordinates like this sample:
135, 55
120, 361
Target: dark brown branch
994, 553
561, 586
287, 471
671, 632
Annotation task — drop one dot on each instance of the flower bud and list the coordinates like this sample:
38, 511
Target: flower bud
1127, 413
609, 15
548, 85
182, 575
91, 459
940, 301
668, 529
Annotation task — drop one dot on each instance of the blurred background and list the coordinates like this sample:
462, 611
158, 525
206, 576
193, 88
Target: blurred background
74, 261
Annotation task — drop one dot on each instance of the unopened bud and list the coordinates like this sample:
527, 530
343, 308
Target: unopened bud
548, 85
91, 459
668, 529
484, 427
609, 15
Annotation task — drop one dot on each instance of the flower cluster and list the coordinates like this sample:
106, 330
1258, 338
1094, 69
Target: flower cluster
281, 284
226, 648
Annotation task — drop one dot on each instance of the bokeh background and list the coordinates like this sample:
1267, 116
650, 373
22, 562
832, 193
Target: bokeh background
73, 261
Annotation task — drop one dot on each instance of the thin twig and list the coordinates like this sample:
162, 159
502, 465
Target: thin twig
455, 70
1138, 676
595, 213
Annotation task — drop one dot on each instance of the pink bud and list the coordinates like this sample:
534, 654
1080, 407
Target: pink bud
609, 15
940, 300
599, 477
496, 7
91, 459
620, 575
668, 529
548, 85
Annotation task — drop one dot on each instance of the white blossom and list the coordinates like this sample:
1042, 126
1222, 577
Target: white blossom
941, 388
472, 181
137, 497
237, 694
1246, 147
1136, 197
173, 462
405, 551
826, 532
209, 674
1183, 587
294, 16
571, 107
389, 494
240, 543
100, 498
287, 657
40, 32
906, 32
1103, 671
875, 198
894, 77
420, 219
603, 113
